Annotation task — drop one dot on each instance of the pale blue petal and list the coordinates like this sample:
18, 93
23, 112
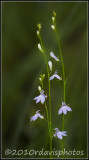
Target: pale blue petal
56, 58
57, 76
53, 56
40, 116
60, 110
59, 135
68, 108
64, 111
63, 133
38, 100
34, 117
52, 77
42, 99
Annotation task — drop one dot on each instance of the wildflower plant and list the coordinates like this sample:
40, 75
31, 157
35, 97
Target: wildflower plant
43, 95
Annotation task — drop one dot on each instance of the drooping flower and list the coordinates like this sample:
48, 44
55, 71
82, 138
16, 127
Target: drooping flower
55, 75
41, 97
50, 65
33, 118
64, 108
53, 56
59, 134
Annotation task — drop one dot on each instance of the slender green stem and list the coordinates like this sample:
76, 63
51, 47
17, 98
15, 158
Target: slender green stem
47, 116
50, 129
46, 111
50, 121
63, 83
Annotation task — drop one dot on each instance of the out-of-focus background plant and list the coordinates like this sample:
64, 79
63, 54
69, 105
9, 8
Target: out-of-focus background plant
22, 64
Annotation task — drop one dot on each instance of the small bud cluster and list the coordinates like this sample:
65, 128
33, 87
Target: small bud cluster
41, 78
38, 35
53, 21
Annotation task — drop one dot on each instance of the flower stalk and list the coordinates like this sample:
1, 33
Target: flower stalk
54, 23
49, 119
42, 96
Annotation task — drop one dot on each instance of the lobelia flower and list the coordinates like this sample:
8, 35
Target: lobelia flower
59, 134
55, 75
53, 56
41, 97
33, 118
50, 65
64, 108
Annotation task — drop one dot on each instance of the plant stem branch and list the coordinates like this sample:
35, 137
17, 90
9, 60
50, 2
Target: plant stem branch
63, 80
49, 124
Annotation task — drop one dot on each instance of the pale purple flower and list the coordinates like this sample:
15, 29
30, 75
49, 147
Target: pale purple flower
64, 108
59, 134
53, 56
33, 118
41, 97
55, 75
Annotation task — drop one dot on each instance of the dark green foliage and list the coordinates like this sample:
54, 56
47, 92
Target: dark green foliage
22, 64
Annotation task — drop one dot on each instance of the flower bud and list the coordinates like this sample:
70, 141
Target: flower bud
54, 13
43, 76
40, 48
39, 26
53, 27
38, 33
53, 19
40, 79
50, 65
39, 88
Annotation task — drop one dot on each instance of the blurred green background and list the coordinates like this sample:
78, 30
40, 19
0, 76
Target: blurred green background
22, 63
